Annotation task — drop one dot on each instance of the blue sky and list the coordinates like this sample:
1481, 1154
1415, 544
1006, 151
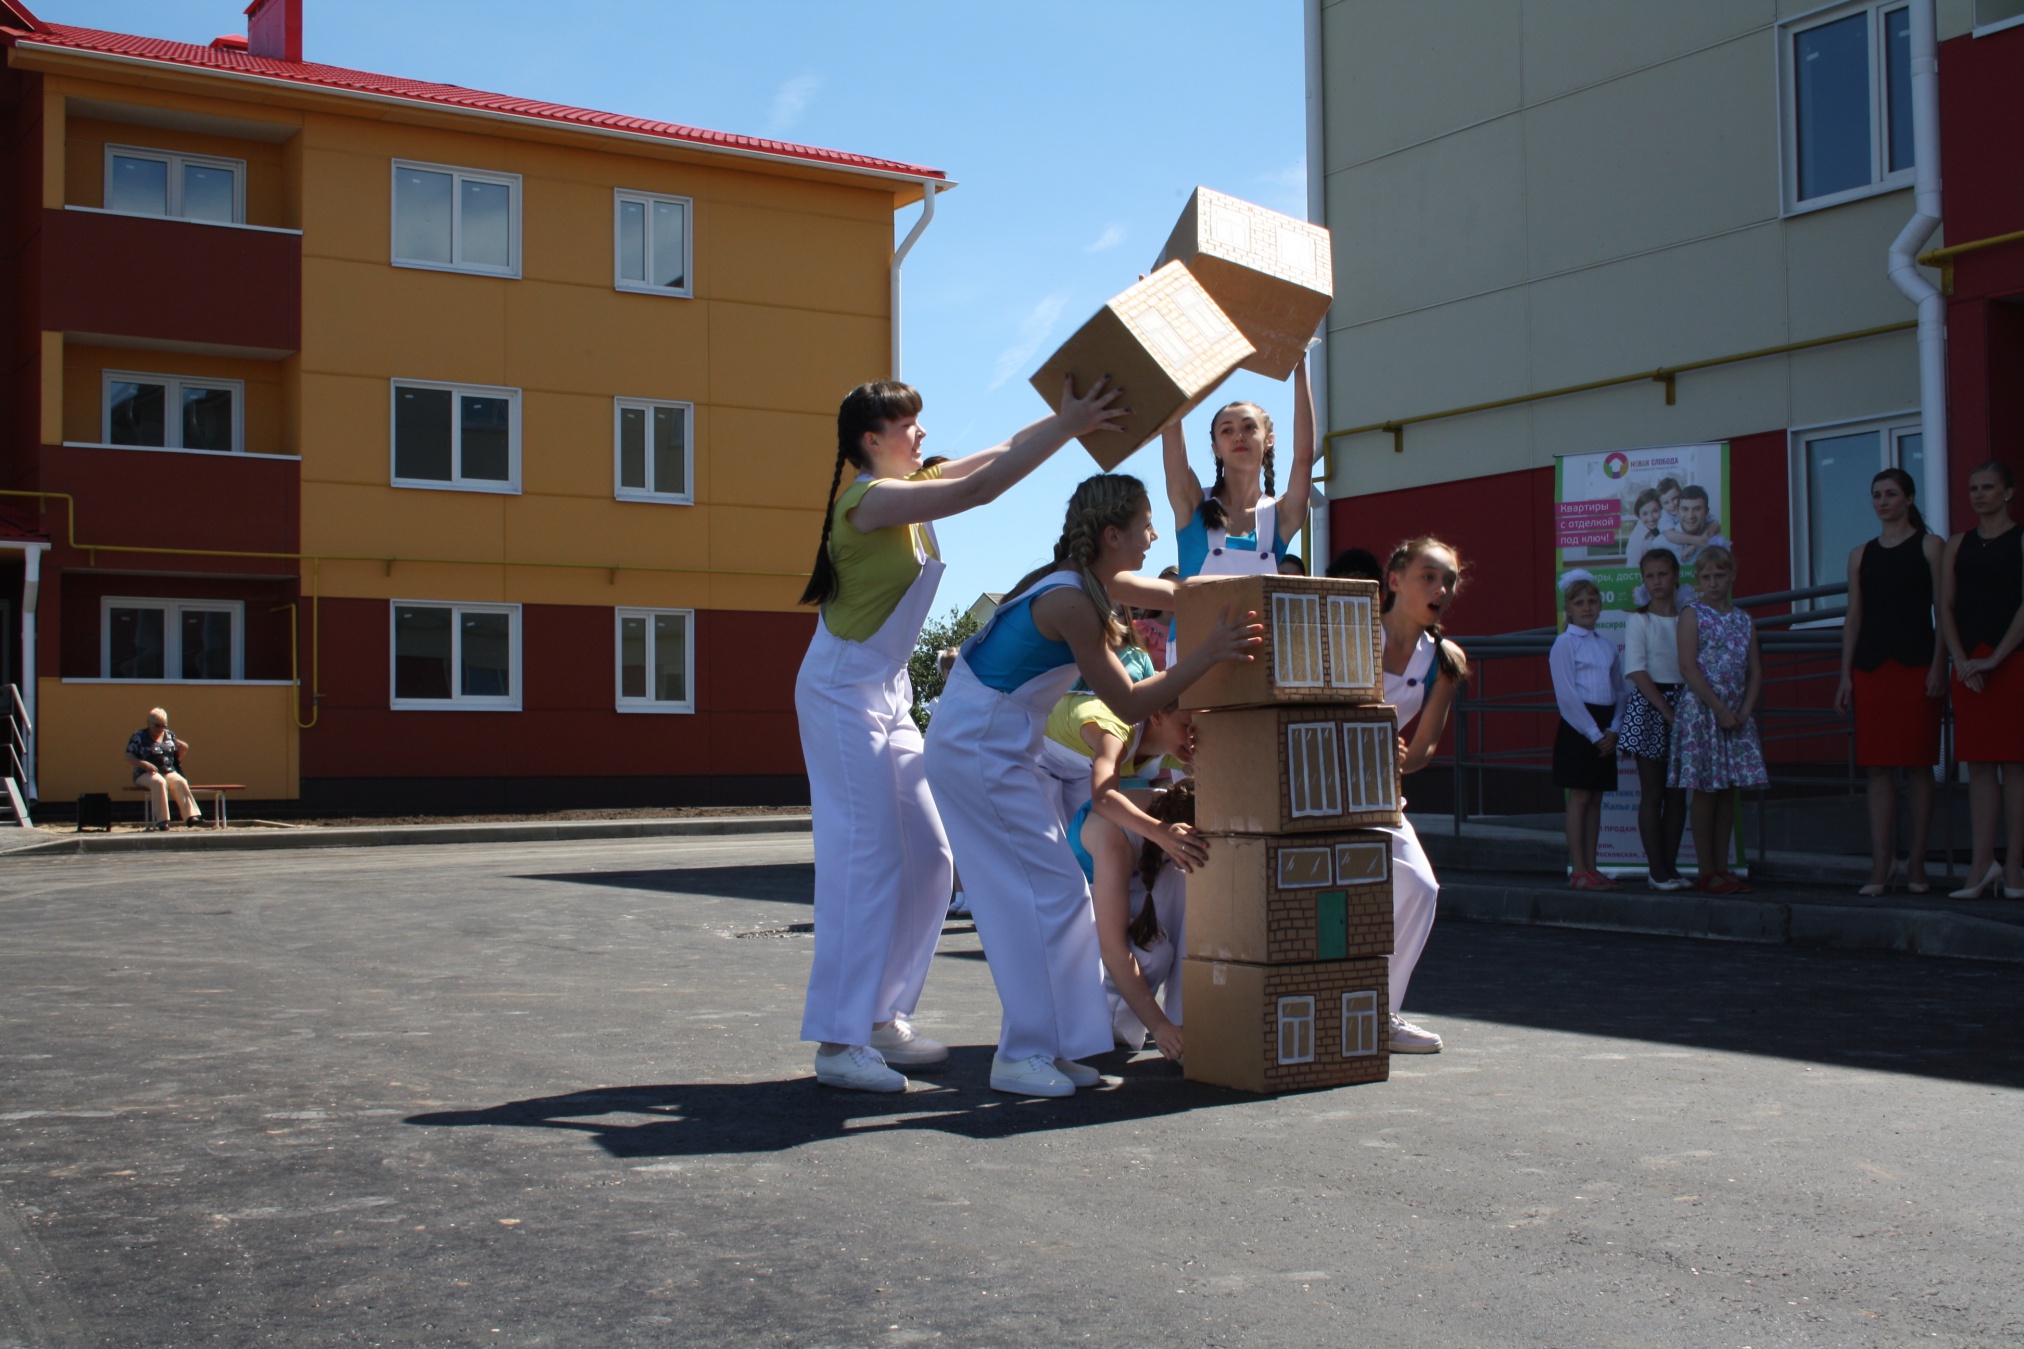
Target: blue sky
1076, 131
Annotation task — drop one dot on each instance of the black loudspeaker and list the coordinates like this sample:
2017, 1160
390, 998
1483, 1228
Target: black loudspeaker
94, 811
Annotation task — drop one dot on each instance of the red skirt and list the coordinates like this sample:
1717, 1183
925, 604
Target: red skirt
1989, 726
1896, 725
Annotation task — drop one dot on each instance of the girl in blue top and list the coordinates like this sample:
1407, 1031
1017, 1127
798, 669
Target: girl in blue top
1027, 893
1239, 528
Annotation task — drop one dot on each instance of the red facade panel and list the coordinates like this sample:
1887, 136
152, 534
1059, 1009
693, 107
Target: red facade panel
170, 499
1981, 108
171, 280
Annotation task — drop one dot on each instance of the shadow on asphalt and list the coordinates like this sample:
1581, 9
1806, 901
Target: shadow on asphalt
1932, 1017
782, 882
715, 1118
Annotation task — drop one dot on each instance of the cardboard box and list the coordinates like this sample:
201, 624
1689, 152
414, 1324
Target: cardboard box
1165, 341
1323, 641
1286, 1027
1296, 770
1292, 900
1272, 274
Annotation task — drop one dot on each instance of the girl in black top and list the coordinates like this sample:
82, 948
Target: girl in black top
1982, 615
1894, 673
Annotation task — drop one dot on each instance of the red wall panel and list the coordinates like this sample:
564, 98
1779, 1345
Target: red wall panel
1981, 109
234, 502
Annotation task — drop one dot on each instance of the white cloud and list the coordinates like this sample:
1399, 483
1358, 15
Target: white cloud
791, 99
1034, 330
1110, 238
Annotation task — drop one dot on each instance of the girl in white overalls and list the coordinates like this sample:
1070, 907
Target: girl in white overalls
1026, 892
882, 876
1422, 673
1239, 528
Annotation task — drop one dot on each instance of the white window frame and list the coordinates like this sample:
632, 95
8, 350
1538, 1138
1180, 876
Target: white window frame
172, 419
175, 159
457, 179
624, 493
1294, 1016
1994, 26
1894, 426
458, 701
172, 636
1362, 1018
1882, 179
688, 288
650, 704
455, 482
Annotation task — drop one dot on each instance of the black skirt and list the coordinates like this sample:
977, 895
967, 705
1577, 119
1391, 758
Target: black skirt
1576, 765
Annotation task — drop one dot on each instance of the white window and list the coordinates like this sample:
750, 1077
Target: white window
173, 412
656, 660
652, 450
159, 182
1303, 868
456, 655
1993, 16
1296, 641
1313, 772
456, 220
1296, 1029
1832, 468
1370, 763
462, 436
1351, 646
651, 244
1848, 109
1359, 1024
169, 641
1362, 863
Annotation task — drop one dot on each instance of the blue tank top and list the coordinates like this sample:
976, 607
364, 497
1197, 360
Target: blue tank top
1192, 543
1013, 651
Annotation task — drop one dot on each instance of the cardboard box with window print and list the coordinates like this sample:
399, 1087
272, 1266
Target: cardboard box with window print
1296, 770
1323, 641
1285, 900
1271, 1028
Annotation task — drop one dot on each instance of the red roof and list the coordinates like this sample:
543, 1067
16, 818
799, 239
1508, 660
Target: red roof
239, 63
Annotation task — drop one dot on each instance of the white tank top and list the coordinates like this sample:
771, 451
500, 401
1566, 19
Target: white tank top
1408, 692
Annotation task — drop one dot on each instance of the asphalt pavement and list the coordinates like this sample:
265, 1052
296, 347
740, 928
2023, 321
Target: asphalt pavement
550, 1094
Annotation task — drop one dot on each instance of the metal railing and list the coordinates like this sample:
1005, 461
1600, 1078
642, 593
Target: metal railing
20, 732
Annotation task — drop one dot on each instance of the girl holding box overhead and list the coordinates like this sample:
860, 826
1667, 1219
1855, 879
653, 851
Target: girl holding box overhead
1027, 894
882, 872
1239, 528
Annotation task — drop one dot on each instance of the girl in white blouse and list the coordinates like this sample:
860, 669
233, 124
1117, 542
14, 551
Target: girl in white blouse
1651, 662
1588, 687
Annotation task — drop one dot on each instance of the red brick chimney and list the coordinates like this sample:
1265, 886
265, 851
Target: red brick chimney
274, 29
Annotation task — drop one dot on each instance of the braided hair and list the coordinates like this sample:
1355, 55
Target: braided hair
866, 410
1214, 514
1108, 500
1448, 657
1175, 805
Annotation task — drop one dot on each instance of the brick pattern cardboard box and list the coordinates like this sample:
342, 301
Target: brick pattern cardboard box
1286, 1027
1296, 770
1301, 898
1323, 641
1165, 341
1271, 273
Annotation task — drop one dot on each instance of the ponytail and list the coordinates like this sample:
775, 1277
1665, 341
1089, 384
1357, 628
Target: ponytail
866, 410
1105, 501
1175, 805
1449, 659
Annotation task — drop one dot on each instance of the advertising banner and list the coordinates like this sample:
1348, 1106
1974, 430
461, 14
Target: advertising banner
1609, 509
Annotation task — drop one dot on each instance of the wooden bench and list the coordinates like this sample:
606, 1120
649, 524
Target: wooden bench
218, 799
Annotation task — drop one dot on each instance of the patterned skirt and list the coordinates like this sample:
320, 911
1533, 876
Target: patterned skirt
1646, 734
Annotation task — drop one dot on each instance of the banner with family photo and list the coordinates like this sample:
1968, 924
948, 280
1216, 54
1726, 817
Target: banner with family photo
1609, 509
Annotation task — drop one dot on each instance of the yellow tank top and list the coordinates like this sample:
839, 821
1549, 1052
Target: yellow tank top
1077, 710
873, 569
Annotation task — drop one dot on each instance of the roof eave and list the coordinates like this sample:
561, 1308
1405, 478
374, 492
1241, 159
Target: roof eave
917, 182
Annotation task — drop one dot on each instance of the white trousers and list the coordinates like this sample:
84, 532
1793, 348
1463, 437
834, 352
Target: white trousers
1415, 891
882, 870
1026, 891
1069, 774
1160, 966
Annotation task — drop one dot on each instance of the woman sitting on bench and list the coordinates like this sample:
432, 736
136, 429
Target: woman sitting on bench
157, 757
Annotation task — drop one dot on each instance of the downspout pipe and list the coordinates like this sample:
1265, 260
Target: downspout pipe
1904, 268
930, 189
1317, 544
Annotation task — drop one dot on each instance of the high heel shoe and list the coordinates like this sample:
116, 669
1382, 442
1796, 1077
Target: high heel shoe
1875, 888
1993, 876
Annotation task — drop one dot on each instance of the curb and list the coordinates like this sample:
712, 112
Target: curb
1847, 927
383, 836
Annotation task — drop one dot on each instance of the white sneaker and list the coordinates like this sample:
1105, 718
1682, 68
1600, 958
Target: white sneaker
1406, 1038
1081, 1074
858, 1068
898, 1042
1035, 1076
959, 905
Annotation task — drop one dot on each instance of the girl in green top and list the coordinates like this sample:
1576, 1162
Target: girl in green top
882, 869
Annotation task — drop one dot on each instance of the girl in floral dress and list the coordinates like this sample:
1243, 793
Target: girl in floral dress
1715, 748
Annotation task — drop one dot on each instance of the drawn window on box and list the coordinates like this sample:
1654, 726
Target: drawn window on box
1359, 1023
1230, 228
1313, 774
1367, 748
1201, 313
1296, 1029
1349, 641
1164, 338
1296, 641
1361, 863
1303, 868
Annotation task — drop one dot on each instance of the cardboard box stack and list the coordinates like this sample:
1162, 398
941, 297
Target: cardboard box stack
1296, 760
